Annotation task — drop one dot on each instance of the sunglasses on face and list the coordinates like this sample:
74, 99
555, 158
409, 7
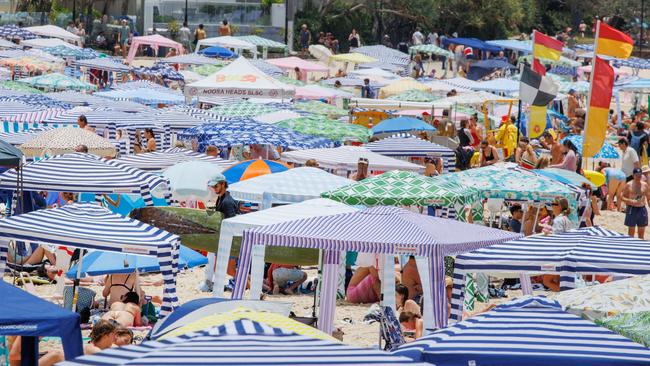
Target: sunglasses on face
555, 204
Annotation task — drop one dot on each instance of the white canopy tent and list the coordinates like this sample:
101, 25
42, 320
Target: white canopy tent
228, 42
240, 79
46, 43
346, 158
53, 31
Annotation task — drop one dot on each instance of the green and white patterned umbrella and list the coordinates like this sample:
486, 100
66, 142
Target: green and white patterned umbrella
321, 108
413, 95
207, 70
329, 128
401, 188
264, 42
57, 81
430, 49
243, 109
13, 85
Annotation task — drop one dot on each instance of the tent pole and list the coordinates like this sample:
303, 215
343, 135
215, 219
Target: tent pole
518, 123
75, 294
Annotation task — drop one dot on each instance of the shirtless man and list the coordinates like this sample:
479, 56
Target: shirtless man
557, 156
411, 279
127, 311
636, 195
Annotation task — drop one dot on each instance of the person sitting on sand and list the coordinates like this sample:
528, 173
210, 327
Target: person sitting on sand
117, 285
28, 254
101, 337
279, 276
127, 311
402, 301
412, 325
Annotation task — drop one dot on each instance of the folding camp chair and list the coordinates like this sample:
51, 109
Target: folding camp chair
390, 329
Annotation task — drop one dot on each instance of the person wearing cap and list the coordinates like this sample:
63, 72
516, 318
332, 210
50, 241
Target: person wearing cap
635, 196
225, 203
630, 159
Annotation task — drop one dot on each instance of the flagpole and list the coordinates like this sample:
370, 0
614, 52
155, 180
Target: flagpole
518, 124
591, 85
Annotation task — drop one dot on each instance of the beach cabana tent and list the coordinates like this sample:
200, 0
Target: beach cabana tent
104, 63
54, 31
314, 91
414, 95
161, 160
346, 158
144, 96
500, 85
352, 58
430, 49
239, 79
484, 68
38, 43
317, 107
12, 31
293, 185
242, 342
373, 72
90, 226
56, 81
328, 128
592, 250
155, 41
188, 59
217, 51
532, 331
31, 317
474, 43
384, 55
83, 173
235, 226
234, 43
265, 44
9, 155
397, 188
401, 124
64, 140
400, 146
380, 230
289, 63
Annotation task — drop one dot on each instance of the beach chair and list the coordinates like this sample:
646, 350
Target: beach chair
85, 298
390, 329
28, 285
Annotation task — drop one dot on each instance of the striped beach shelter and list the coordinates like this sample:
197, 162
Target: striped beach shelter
84, 173
531, 331
411, 146
19, 138
388, 231
346, 158
161, 160
90, 226
592, 250
241, 342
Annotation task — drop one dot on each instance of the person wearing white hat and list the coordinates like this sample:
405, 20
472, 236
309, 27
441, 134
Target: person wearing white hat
225, 203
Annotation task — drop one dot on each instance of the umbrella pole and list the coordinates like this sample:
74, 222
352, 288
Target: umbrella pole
518, 122
320, 281
75, 294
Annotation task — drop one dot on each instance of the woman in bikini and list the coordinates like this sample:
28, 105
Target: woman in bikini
117, 285
151, 140
525, 154
125, 312
489, 154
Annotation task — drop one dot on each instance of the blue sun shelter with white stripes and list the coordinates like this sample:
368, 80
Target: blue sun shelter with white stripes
530, 331
410, 146
382, 230
241, 342
592, 250
90, 226
85, 173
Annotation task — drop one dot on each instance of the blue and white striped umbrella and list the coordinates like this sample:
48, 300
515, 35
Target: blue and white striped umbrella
37, 100
161, 160
137, 84
19, 138
90, 226
144, 96
410, 145
177, 120
103, 118
633, 62
188, 59
104, 63
606, 152
385, 54
531, 331
74, 98
82, 173
163, 71
268, 68
587, 250
241, 342
13, 32
68, 52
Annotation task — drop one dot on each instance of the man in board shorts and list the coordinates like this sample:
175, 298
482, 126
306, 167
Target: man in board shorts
636, 195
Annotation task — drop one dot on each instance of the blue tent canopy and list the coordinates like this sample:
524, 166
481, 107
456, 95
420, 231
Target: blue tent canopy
401, 124
32, 317
531, 331
216, 51
479, 69
9, 155
100, 263
471, 42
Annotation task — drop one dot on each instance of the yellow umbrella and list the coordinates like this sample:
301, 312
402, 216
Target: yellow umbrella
353, 57
270, 319
401, 86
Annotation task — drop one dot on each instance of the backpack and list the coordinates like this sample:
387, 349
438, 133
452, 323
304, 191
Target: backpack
635, 140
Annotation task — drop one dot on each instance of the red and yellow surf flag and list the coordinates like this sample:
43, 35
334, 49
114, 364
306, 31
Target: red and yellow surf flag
546, 47
612, 42
598, 110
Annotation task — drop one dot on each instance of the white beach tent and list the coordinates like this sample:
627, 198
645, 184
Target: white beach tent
53, 31
228, 42
240, 79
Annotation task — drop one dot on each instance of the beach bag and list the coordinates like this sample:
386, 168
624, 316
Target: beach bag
149, 311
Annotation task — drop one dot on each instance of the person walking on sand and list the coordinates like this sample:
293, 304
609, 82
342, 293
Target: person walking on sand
635, 196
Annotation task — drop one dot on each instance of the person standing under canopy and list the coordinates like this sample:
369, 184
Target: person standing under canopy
506, 137
82, 122
636, 196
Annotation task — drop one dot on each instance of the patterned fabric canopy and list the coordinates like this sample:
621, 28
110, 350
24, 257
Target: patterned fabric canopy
430, 49
264, 42
401, 188
188, 59
563, 61
243, 109
324, 127
290, 81
65, 140
526, 331
347, 158
163, 71
13, 32
267, 68
104, 63
385, 55
413, 95
37, 101
56, 81
412, 146
161, 160
242, 342
69, 52
504, 181
606, 152
207, 69
19, 138
317, 107
14, 85
145, 96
